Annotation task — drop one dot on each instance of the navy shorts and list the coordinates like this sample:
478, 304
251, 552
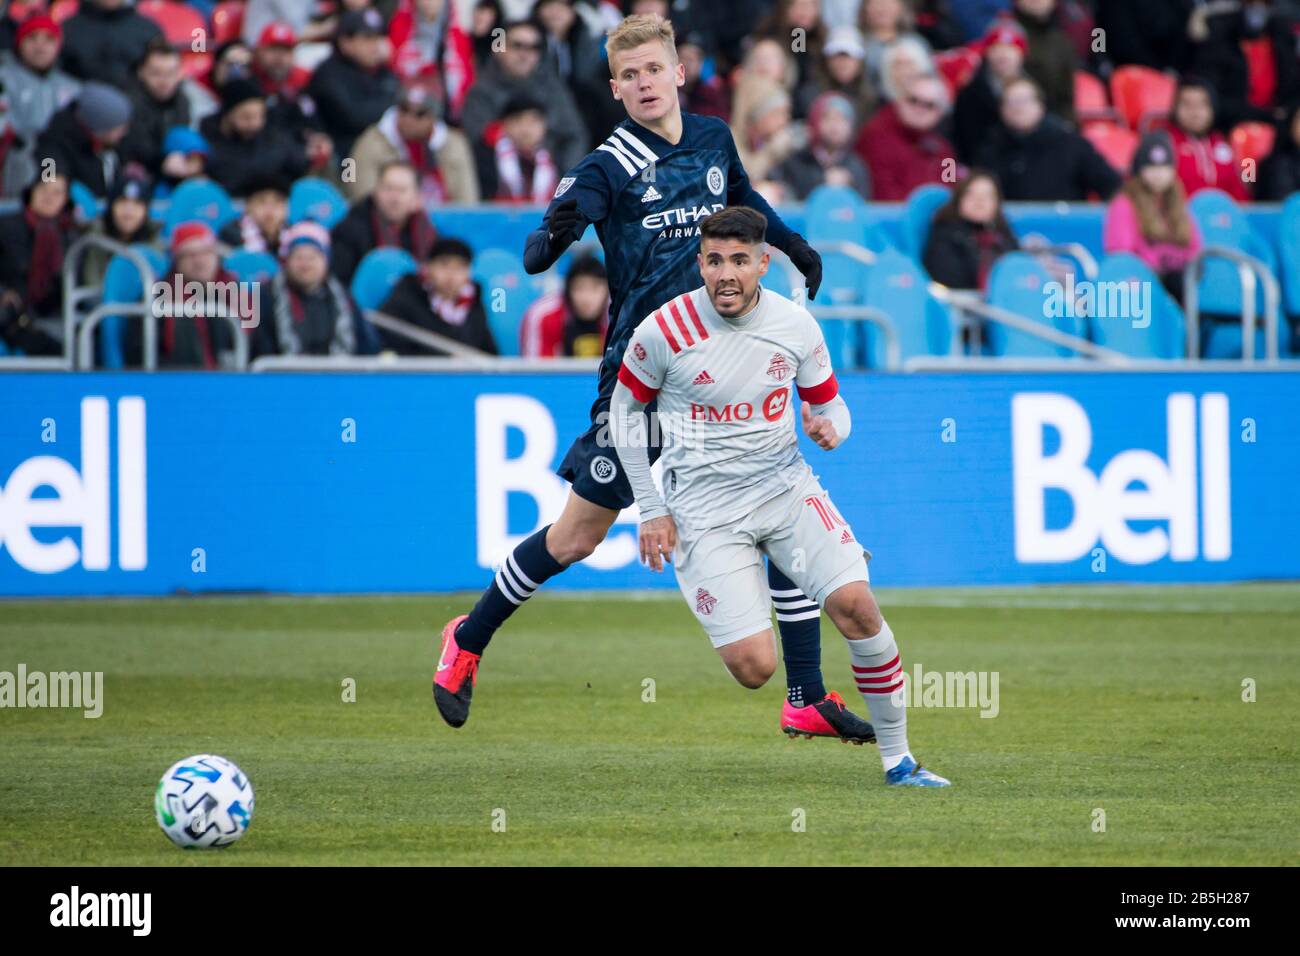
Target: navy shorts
591, 464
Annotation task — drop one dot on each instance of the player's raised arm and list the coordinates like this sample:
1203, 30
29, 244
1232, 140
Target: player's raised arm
741, 192
581, 197
825, 414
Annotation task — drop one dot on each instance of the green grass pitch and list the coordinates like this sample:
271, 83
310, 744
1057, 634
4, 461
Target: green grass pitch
1124, 700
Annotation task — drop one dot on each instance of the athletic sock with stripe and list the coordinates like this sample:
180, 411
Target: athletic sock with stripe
524, 570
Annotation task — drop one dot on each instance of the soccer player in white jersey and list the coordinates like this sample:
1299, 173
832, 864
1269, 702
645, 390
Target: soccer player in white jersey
721, 361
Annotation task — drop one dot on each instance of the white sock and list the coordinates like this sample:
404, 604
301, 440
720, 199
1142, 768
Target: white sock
878, 671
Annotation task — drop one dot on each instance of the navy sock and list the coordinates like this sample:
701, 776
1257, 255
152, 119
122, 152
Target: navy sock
801, 638
522, 573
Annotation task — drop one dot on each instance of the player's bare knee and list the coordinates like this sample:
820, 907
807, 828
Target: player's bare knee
854, 610
753, 674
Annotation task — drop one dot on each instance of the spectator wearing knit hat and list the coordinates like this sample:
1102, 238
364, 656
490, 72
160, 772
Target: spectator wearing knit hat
125, 219
975, 112
440, 298
245, 148
33, 241
828, 159
413, 130
83, 139
185, 156
191, 335
304, 309
354, 86
1149, 216
32, 90
104, 40
264, 223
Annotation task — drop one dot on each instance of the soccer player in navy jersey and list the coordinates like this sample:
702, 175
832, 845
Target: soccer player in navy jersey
646, 189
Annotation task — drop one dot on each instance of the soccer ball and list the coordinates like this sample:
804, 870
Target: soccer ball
203, 801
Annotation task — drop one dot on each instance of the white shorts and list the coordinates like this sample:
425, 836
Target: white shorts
720, 570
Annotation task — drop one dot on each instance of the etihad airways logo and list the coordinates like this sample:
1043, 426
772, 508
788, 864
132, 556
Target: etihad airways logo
688, 216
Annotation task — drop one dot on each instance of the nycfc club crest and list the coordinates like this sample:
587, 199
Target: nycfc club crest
779, 369
603, 470
704, 601
715, 180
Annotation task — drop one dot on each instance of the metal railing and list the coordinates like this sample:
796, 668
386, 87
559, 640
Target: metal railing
969, 304
1250, 271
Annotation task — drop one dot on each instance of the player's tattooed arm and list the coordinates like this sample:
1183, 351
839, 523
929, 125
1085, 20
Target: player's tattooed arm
829, 424
658, 533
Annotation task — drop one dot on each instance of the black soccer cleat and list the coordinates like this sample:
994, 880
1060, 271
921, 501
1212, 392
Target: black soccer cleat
828, 717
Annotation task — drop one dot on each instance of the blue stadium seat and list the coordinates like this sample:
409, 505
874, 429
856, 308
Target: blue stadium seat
778, 277
84, 200
507, 292
1222, 223
377, 273
1165, 335
842, 284
1019, 284
123, 283
249, 266
838, 214
199, 199
896, 286
922, 204
315, 199
1289, 257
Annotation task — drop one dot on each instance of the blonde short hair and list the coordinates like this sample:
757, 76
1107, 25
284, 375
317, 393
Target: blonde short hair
639, 29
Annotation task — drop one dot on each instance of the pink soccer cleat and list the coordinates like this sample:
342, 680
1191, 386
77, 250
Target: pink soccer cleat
826, 718
453, 682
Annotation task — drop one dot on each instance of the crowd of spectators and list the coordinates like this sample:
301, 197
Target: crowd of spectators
408, 105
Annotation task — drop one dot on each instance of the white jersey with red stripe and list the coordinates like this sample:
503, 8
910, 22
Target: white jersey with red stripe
724, 400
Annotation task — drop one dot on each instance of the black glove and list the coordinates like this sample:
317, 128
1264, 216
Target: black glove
567, 223
807, 261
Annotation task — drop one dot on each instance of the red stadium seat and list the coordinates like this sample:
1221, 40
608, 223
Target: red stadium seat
196, 65
1114, 142
957, 66
227, 21
1140, 93
176, 20
60, 10
1091, 101
1252, 140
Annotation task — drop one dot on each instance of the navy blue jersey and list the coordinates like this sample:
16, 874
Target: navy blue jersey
646, 198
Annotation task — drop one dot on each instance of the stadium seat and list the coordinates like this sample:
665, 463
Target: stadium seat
378, 273
123, 283
1289, 255
1161, 331
60, 10
84, 201
249, 266
1141, 93
1091, 101
957, 66
199, 199
778, 277
312, 198
1018, 284
922, 204
1115, 143
898, 287
501, 275
1252, 141
837, 214
178, 22
227, 21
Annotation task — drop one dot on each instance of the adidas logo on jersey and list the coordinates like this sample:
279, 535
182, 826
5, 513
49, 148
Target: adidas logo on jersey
704, 378
846, 537
651, 195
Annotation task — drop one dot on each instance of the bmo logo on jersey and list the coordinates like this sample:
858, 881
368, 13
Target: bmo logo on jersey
81, 499
773, 407
1136, 485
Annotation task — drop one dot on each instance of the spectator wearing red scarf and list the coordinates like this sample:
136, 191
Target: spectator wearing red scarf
424, 35
514, 164
414, 131
441, 298
390, 216
190, 335
33, 241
